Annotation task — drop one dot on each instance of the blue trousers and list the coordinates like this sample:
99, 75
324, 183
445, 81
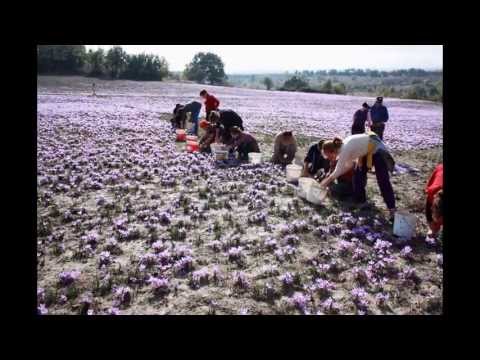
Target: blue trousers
195, 122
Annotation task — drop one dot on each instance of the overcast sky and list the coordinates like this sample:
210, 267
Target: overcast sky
240, 59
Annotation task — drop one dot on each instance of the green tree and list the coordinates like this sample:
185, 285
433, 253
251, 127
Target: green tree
268, 83
60, 59
340, 89
145, 67
96, 63
116, 61
295, 83
206, 67
327, 88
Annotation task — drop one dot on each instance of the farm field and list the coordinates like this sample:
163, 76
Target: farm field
128, 223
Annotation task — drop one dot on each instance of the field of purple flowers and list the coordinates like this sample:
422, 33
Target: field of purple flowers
127, 224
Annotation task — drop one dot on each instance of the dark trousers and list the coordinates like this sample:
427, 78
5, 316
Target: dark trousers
358, 129
341, 189
378, 128
383, 180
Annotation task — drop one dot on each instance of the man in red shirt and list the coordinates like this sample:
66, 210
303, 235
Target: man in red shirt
211, 102
434, 203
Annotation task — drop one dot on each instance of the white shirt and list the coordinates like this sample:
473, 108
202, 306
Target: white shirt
354, 147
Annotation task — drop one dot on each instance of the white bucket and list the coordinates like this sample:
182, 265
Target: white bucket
293, 172
221, 155
316, 194
255, 157
304, 184
404, 225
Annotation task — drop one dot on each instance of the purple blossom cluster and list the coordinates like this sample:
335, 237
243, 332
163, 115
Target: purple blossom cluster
322, 286
200, 277
270, 244
122, 295
407, 252
287, 279
184, 265
285, 253
330, 306
68, 277
235, 253
299, 301
105, 258
240, 280
359, 297
160, 285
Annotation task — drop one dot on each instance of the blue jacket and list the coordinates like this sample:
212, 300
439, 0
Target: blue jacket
379, 113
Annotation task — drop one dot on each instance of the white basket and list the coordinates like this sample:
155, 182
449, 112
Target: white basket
293, 172
316, 194
404, 225
304, 184
221, 155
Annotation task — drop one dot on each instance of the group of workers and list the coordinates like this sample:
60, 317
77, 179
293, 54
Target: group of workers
340, 165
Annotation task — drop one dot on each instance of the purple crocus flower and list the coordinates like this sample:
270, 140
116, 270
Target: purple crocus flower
42, 310
300, 301
113, 311
68, 277
287, 279
159, 285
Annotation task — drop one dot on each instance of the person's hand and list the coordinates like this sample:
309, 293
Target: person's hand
323, 184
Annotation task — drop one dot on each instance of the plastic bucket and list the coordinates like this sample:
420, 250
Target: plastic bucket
217, 147
293, 172
181, 135
404, 225
255, 158
304, 184
221, 155
316, 194
192, 146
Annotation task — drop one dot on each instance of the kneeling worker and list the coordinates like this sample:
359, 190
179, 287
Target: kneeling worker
224, 120
315, 164
180, 115
208, 138
284, 148
434, 203
243, 142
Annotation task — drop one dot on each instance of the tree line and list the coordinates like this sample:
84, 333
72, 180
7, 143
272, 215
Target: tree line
371, 73
113, 64
117, 64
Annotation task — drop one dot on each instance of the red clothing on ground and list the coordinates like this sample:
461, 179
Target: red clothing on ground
435, 183
211, 103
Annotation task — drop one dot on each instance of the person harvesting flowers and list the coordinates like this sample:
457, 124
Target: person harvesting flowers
359, 119
211, 102
223, 121
180, 115
434, 201
361, 152
243, 142
379, 116
284, 148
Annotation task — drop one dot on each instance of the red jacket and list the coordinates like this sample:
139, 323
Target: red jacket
435, 183
211, 103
